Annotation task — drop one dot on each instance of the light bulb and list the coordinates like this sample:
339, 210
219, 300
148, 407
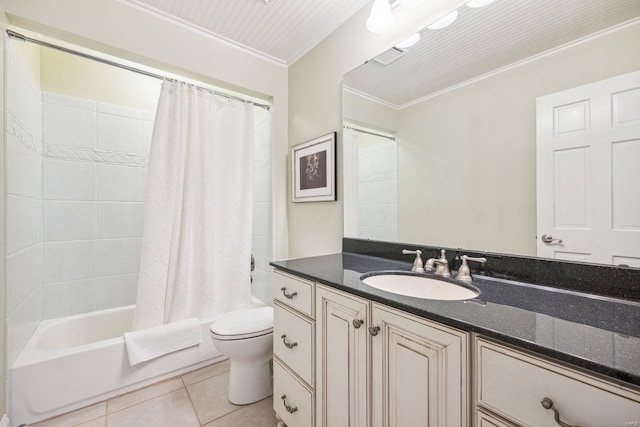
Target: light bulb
380, 18
409, 41
445, 21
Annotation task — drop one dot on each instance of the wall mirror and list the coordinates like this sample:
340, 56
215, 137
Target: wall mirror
520, 119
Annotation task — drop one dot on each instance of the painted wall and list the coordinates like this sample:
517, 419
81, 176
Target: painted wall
4, 23
135, 34
315, 94
359, 110
455, 140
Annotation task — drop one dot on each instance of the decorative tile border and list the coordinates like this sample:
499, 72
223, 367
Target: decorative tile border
378, 176
95, 156
24, 136
64, 152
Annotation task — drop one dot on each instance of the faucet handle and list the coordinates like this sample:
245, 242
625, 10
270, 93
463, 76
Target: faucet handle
417, 263
464, 272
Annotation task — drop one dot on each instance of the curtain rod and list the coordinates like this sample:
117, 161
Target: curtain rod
392, 138
24, 38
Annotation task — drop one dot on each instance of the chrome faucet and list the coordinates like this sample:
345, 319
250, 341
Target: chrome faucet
441, 265
464, 272
417, 263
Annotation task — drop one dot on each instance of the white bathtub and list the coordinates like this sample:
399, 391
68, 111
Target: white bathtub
74, 361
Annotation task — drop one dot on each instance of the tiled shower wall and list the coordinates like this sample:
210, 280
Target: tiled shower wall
262, 205
23, 136
94, 172
378, 191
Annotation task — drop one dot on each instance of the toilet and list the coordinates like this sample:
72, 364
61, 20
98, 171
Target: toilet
246, 336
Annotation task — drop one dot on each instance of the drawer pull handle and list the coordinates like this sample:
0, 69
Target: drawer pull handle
286, 295
373, 330
290, 409
357, 323
288, 344
548, 404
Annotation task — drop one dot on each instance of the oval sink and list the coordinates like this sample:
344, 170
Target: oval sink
419, 286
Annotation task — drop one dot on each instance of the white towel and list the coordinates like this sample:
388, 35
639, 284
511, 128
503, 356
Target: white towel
156, 341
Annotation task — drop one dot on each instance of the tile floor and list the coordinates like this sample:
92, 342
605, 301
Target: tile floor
197, 398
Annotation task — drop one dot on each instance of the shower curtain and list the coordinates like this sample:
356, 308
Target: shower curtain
350, 165
196, 247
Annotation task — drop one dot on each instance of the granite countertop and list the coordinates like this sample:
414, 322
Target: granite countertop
598, 333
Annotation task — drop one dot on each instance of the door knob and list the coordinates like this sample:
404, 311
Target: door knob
549, 239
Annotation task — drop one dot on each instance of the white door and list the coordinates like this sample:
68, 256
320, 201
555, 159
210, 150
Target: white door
588, 172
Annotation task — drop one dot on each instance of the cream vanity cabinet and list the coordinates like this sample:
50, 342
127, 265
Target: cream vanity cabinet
294, 349
378, 366
510, 386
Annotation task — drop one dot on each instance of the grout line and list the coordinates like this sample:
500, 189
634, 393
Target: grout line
140, 389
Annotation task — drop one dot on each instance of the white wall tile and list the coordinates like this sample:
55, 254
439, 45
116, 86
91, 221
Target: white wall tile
117, 110
67, 298
120, 219
23, 275
64, 220
117, 291
262, 219
147, 135
22, 323
262, 185
118, 133
67, 180
69, 126
120, 183
23, 96
23, 223
119, 256
23, 169
69, 101
65, 261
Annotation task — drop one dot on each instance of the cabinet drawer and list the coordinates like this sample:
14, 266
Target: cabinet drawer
294, 292
513, 384
297, 397
484, 419
299, 333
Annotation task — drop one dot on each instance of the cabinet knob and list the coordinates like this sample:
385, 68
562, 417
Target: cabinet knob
286, 295
373, 330
288, 344
548, 404
357, 323
290, 409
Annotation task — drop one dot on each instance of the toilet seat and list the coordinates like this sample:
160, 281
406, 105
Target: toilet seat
243, 324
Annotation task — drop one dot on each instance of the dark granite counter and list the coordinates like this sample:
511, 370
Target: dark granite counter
598, 333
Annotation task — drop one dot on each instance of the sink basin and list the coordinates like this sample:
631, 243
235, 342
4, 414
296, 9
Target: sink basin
419, 286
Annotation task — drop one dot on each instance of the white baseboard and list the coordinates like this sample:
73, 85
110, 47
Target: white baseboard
4, 422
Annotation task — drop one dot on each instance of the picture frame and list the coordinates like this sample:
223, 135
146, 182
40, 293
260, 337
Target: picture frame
313, 170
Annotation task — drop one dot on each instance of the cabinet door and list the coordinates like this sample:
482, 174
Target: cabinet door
342, 360
419, 372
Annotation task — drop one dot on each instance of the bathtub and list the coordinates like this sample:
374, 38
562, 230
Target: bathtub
71, 362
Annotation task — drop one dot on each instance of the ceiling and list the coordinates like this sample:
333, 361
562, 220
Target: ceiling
282, 31
483, 40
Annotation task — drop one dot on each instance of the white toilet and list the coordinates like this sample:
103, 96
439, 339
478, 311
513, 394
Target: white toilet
246, 336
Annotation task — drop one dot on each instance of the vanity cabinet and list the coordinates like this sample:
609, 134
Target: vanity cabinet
511, 384
294, 350
378, 366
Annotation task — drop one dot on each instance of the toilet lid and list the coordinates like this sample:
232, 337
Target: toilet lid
243, 324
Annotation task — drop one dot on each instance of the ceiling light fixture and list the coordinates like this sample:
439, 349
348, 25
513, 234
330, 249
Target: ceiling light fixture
478, 3
409, 41
380, 18
445, 21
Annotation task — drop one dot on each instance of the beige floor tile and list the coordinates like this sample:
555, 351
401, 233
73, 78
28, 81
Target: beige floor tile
206, 372
170, 410
209, 397
126, 400
76, 417
98, 422
258, 414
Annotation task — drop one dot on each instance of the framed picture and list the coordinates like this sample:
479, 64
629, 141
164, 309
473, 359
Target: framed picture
314, 170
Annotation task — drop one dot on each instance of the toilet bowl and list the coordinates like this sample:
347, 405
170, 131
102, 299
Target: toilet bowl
246, 336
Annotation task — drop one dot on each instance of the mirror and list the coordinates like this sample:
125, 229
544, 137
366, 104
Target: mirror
456, 161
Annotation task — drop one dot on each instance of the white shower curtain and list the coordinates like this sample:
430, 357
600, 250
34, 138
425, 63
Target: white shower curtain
196, 248
350, 173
